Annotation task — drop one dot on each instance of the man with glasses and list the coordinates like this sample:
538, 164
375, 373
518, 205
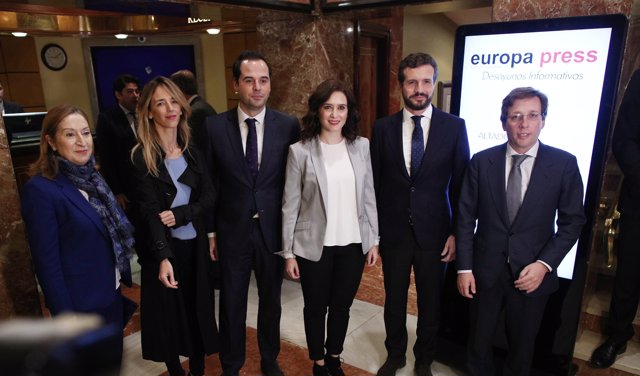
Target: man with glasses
513, 192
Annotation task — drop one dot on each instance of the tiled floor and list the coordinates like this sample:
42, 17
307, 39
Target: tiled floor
364, 348
363, 352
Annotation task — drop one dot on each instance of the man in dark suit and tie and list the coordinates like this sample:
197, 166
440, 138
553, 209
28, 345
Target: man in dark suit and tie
116, 136
200, 109
7, 107
513, 192
626, 290
247, 151
418, 157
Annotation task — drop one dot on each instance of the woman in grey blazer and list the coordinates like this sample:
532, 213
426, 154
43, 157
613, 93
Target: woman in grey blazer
329, 219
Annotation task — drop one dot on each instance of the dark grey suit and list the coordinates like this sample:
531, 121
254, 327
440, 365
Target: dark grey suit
12, 107
200, 110
497, 251
245, 243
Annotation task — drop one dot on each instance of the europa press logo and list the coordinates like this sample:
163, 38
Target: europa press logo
544, 58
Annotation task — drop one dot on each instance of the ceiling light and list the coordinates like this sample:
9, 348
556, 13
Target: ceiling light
19, 34
213, 31
121, 36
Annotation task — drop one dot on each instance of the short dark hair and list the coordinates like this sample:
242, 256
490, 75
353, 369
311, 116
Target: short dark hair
247, 55
186, 81
523, 93
311, 126
122, 80
417, 60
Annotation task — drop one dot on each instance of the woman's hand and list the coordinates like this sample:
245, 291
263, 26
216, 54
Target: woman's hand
167, 218
372, 256
165, 275
292, 268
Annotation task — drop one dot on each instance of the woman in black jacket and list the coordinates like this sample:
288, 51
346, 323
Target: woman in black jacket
176, 197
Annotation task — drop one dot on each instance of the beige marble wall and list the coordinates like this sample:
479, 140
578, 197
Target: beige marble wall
18, 292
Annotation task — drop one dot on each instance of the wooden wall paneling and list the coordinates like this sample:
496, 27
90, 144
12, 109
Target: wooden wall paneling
20, 54
26, 89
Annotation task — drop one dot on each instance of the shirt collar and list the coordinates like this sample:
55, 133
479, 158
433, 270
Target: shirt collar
533, 152
259, 117
406, 115
126, 112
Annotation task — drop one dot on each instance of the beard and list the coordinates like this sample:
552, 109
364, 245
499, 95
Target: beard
416, 106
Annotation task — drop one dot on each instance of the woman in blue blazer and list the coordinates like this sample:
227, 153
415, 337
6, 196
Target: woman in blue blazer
329, 219
80, 240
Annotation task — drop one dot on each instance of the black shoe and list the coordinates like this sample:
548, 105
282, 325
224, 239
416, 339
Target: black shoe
423, 370
334, 365
270, 368
319, 370
390, 367
605, 355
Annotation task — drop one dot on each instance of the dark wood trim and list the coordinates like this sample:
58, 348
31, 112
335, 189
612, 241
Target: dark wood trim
383, 34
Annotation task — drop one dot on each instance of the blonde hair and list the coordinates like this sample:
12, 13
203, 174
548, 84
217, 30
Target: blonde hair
148, 138
47, 163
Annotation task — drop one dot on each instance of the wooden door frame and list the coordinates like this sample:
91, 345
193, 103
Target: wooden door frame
383, 35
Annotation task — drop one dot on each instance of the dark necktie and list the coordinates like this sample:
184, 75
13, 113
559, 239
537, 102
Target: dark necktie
133, 120
251, 150
417, 145
514, 186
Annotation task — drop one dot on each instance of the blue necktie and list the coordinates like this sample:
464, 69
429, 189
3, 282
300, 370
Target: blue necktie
417, 146
251, 150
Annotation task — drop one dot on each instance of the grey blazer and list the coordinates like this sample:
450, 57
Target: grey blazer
304, 207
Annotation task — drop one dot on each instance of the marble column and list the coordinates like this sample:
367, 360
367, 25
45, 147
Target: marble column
18, 291
305, 50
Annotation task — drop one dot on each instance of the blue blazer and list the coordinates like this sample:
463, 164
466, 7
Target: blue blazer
70, 247
555, 187
239, 197
429, 196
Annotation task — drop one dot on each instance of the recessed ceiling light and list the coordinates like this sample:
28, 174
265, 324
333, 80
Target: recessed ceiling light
19, 34
121, 36
213, 31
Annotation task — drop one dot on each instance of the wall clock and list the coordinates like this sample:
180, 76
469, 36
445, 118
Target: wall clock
54, 56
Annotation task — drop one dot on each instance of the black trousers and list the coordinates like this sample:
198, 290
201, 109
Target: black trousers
329, 283
250, 253
523, 315
626, 290
397, 262
185, 269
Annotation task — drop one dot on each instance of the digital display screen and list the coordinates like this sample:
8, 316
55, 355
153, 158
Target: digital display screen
574, 61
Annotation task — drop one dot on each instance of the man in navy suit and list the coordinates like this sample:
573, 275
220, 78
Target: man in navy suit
418, 157
116, 136
247, 151
514, 192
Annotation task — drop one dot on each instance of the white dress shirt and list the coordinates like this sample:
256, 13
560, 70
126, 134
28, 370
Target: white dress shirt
244, 130
407, 132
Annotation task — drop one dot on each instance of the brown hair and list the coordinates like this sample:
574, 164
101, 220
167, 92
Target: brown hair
47, 164
311, 121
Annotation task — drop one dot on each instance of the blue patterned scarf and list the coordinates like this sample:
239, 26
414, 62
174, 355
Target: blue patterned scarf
120, 230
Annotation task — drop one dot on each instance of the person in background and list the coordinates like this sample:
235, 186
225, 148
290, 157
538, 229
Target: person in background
247, 154
175, 197
329, 219
80, 240
508, 246
626, 288
200, 109
115, 137
418, 155
7, 107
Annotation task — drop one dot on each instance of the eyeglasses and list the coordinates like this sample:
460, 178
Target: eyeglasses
518, 117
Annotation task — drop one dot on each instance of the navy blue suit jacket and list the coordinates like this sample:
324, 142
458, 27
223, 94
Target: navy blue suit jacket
114, 141
555, 187
70, 247
430, 195
239, 197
